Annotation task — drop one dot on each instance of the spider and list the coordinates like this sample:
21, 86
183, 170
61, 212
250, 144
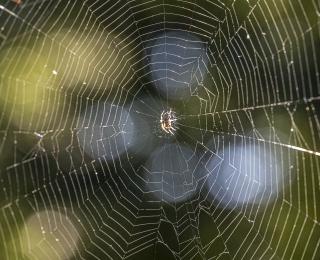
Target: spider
167, 120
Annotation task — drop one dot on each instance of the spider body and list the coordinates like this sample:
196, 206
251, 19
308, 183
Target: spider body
167, 120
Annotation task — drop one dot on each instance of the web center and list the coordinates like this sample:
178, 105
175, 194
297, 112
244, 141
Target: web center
167, 120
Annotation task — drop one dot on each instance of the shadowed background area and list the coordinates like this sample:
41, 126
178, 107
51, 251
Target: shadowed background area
87, 170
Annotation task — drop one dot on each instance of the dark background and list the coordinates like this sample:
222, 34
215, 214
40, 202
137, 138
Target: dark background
258, 94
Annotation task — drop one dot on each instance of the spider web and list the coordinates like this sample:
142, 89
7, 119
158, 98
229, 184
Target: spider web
87, 172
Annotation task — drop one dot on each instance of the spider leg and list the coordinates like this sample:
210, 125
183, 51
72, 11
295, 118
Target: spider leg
171, 128
164, 129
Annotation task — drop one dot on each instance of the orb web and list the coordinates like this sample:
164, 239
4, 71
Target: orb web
86, 170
